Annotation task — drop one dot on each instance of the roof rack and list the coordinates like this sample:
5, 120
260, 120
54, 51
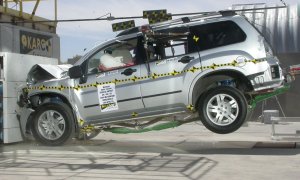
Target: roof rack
208, 15
205, 15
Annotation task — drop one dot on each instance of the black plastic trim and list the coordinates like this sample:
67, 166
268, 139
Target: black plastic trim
136, 98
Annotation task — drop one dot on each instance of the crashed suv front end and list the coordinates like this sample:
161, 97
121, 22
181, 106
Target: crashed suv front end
54, 77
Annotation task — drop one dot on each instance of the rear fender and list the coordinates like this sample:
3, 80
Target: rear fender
207, 81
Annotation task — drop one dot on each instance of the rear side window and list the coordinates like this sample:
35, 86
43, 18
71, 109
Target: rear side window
214, 35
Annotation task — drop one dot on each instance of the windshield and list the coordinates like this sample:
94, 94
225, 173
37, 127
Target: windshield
80, 61
92, 51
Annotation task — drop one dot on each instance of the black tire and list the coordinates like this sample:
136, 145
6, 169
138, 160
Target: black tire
89, 135
60, 110
223, 110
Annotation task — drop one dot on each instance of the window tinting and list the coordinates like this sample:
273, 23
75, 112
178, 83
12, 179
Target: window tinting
215, 35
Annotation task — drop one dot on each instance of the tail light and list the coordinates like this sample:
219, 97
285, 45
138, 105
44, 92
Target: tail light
268, 49
275, 72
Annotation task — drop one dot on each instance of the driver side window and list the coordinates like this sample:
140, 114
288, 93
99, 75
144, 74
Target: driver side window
118, 55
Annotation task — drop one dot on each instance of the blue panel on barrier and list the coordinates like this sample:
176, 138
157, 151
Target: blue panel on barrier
1, 112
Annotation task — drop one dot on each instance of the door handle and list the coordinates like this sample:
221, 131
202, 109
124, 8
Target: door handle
128, 72
186, 59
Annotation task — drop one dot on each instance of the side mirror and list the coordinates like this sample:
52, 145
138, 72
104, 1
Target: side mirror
75, 72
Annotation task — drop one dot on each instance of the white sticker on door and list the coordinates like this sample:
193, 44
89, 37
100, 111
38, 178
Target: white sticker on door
107, 97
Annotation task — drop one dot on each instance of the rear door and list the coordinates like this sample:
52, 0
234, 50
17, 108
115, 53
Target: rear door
163, 91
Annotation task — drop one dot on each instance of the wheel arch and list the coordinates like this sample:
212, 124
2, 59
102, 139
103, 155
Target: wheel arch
206, 82
49, 97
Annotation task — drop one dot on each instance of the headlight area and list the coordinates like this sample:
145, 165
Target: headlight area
30, 80
38, 74
22, 99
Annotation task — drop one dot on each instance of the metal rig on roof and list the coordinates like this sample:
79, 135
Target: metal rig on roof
160, 18
17, 14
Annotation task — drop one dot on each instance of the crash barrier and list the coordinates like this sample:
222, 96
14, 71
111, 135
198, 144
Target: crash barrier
136, 78
14, 70
279, 136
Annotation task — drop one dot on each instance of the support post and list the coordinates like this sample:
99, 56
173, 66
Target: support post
55, 12
34, 9
6, 4
21, 8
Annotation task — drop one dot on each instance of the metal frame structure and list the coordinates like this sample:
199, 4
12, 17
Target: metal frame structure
20, 15
20, 2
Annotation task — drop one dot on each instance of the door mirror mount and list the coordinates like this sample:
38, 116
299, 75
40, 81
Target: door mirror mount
75, 72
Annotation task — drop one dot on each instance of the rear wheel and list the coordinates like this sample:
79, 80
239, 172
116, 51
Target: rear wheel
223, 109
53, 124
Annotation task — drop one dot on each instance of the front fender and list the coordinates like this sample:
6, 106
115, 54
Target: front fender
24, 117
54, 96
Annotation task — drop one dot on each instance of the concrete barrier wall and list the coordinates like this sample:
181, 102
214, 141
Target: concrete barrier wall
16, 68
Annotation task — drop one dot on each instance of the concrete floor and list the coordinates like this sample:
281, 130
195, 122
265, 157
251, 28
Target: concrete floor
188, 152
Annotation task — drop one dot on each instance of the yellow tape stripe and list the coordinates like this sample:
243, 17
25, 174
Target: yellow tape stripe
135, 78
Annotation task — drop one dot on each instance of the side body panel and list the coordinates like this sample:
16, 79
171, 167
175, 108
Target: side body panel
128, 96
166, 83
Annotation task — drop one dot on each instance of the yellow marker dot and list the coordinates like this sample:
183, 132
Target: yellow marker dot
195, 38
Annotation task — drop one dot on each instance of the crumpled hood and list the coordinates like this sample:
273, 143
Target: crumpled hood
44, 72
55, 70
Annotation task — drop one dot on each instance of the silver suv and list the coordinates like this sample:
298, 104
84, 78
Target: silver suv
210, 64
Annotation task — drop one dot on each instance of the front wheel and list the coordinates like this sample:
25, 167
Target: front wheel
223, 109
53, 124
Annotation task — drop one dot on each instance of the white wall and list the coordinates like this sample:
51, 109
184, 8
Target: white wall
16, 68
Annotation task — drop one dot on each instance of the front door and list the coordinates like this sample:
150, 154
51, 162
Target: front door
110, 91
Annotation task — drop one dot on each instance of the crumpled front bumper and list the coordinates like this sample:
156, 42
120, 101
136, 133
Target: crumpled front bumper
24, 115
24, 111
